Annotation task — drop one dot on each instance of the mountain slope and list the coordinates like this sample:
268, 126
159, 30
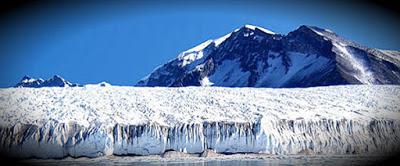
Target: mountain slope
255, 57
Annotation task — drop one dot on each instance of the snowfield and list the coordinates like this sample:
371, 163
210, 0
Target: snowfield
96, 121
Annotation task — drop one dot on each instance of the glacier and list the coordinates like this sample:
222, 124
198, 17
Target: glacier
93, 121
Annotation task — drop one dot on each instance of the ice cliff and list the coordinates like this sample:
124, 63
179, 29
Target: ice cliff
95, 121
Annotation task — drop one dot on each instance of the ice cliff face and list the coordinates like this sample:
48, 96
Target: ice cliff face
271, 137
255, 57
94, 121
56, 81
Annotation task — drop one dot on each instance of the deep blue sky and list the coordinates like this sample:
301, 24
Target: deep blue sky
123, 42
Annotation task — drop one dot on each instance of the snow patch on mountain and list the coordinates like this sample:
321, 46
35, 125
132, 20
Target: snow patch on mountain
206, 82
252, 27
193, 54
27, 79
362, 72
218, 41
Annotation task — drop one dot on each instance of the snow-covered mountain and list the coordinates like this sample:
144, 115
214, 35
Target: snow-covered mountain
96, 121
252, 56
56, 81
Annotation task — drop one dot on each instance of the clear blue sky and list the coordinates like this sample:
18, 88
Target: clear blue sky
123, 42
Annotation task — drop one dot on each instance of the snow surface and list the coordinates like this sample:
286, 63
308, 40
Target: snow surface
96, 121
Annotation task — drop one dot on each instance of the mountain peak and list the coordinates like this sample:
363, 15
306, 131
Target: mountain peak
252, 56
29, 81
57, 77
311, 27
254, 28
316, 30
26, 78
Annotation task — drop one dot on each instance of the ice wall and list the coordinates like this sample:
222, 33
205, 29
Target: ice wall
264, 136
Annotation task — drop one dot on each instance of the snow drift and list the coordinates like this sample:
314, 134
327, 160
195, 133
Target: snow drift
95, 121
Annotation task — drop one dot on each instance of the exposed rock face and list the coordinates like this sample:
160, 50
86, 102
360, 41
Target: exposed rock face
255, 57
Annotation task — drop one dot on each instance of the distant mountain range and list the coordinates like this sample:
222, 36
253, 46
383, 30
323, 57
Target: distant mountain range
56, 81
253, 56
